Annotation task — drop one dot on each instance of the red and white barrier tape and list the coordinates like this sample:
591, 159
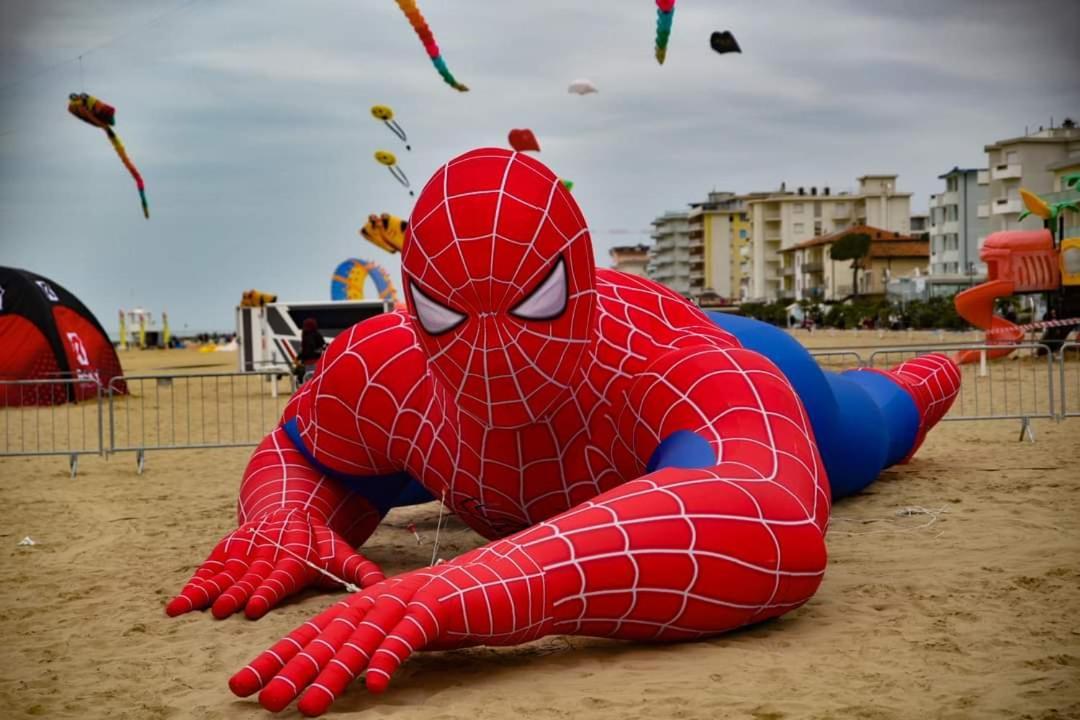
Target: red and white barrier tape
1035, 326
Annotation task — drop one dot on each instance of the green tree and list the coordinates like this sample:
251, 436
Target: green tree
854, 247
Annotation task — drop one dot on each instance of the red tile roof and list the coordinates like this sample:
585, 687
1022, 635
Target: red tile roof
877, 236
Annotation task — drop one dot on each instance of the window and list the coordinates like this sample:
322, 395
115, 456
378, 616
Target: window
797, 208
742, 234
951, 184
800, 228
952, 212
952, 268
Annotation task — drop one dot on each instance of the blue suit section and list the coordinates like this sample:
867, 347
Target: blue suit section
863, 421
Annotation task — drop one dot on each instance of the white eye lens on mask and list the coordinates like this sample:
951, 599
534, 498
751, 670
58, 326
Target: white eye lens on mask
548, 301
434, 318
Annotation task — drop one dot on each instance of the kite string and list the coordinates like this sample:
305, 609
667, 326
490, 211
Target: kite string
49, 68
438, 527
348, 585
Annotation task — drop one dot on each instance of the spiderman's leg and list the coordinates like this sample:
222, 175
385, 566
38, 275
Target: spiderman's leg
863, 421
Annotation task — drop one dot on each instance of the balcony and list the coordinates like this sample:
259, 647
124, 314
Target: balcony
773, 239
983, 211
1005, 206
983, 177
1005, 172
696, 276
773, 216
788, 271
813, 267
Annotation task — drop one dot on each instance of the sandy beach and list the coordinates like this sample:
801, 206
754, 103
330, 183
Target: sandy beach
953, 591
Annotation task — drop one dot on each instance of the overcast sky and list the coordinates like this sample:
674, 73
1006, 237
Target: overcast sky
249, 120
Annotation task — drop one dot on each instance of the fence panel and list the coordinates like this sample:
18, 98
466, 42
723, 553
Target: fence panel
195, 411
1019, 386
36, 418
1069, 379
838, 360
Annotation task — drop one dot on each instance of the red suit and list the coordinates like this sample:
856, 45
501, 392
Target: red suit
640, 474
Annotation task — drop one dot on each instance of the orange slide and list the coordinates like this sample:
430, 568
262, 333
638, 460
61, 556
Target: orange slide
1017, 261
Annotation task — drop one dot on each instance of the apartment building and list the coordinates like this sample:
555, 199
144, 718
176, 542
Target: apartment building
919, 224
1033, 162
632, 259
957, 228
669, 257
892, 255
719, 232
783, 219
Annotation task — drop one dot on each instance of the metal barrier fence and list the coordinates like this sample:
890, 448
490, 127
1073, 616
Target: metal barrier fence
1069, 379
838, 360
217, 410
37, 419
208, 410
1019, 387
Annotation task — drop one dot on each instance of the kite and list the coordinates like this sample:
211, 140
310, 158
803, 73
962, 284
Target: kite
102, 115
665, 13
724, 42
386, 114
388, 159
523, 139
428, 39
385, 231
581, 86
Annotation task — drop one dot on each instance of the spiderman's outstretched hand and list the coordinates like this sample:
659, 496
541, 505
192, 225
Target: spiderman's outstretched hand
268, 559
375, 630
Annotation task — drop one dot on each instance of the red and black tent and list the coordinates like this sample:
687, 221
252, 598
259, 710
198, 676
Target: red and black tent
46, 333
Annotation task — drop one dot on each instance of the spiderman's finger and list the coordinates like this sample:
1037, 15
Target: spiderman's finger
291, 542
419, 627
259, 671
289, 577
200, 592
353, 656
302, 669
350, 565
234, 598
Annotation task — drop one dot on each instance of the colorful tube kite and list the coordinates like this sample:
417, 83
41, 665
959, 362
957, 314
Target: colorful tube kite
347, 282
102, 115
428, 39
665, 13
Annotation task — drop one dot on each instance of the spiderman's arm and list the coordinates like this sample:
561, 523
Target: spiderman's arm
724, 527
314, 489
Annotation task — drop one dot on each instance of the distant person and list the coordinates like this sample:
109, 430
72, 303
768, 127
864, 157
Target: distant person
312, 344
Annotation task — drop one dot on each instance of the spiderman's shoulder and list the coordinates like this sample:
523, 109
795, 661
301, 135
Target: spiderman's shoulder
384, 341
629, 303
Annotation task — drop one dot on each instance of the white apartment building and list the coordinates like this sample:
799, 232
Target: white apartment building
957, 228
669, 257
784, 219
1030, 162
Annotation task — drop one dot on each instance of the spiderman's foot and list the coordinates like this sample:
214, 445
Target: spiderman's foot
933, 382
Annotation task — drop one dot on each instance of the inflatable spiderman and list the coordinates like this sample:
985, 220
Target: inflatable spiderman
643, 470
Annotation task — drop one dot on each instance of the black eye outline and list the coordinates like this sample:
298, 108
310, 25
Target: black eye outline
419, 295
558, 267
